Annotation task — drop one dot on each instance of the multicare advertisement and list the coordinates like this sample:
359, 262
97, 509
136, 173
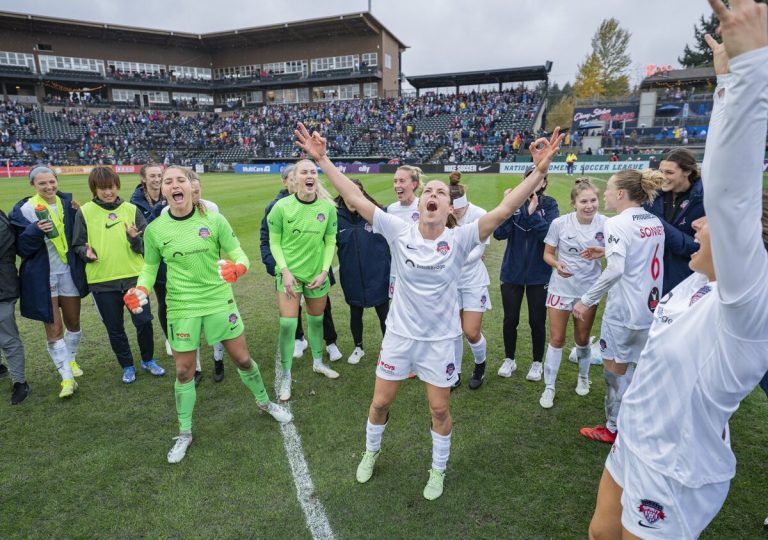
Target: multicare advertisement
586, 167
276, 168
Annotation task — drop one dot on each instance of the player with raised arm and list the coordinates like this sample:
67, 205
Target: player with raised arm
669, 470
422, 324
573, 248
189, 239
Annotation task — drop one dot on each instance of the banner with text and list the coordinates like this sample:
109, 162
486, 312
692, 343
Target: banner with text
586, 167
590, 117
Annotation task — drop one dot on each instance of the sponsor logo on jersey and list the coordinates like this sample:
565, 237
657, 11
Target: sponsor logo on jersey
639, 217
110, 225
443, 247
573, 249
182, 336
600, 237
204, 232
415, 217
449, 369
166, 242
386, 367
613, 239
648, 232
653, 298
409, 246
698, 295
652, 512
320, 217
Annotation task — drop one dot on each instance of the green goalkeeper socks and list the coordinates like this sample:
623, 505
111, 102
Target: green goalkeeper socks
252, 380
315, 335
186, 395
287, 337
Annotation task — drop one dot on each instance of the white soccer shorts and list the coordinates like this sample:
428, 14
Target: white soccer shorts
431, 361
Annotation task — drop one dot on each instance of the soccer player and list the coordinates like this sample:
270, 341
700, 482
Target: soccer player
634, 249
669, 470
49, 264
407, 181
190, 238
572, 247
147, 193
422, 324
302, 239
474, 298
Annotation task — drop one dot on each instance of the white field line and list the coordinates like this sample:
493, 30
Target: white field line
314, 513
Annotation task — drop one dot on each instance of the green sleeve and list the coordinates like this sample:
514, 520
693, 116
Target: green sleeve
275, 222
151, 262
229, 243
330, 239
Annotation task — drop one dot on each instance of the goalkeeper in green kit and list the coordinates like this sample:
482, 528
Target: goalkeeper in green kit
199, 296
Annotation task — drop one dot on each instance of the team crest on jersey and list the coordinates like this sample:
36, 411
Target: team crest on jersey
415, 216
204, 232
652, 511
483, 300
653, 298
112, 216
599, 237
232, 318
603, 344
368, 227
684, 205
320, 217
698, 295
449, 369
443, 247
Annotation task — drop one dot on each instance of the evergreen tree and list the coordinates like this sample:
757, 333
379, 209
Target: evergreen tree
700, 55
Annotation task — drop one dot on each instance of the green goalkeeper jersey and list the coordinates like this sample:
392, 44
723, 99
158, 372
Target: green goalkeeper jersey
302, 236
191, 247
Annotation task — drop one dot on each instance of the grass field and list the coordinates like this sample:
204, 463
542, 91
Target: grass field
94, 466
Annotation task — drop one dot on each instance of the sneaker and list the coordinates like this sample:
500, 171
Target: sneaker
68, 387
457, 383
547, 398
599, 434
325, 370
434, 487
76, 370
129, 374
198, 378
19, 393
356, 355
168, 349
365, 469
333, 352
478, 376
3, 371
218, 370
285, 389
179, 449
152, 367
582, 386
508, 367
534, 374
277, 412
299, 348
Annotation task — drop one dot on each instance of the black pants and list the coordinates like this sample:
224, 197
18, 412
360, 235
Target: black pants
329, 329
111, 307
162, 307
512, 300
356, 321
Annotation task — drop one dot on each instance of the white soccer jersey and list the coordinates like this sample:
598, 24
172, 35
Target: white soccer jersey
569, 238
409, 214
425, 303
474, 273
638, 236
708, 346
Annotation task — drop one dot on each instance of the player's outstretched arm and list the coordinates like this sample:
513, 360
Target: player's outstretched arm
543, 150
315, 147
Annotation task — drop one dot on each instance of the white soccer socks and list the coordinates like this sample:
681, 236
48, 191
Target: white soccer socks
458, 352
479, 349
552, 366
584, 357
218, 352
72, 342
373, 433
60, 356
441, 450
613, 396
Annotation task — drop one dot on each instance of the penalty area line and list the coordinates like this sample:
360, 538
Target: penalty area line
314, 513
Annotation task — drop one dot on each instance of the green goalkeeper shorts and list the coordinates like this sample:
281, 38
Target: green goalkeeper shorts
184, 334
301, 288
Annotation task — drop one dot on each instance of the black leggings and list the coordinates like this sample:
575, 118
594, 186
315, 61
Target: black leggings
329, 329
162, 307
356, 321
512, 300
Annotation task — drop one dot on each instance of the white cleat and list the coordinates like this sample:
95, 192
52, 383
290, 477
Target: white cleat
356, 355
534, 374
582, 386
547, 399
179, 449
277, 412
333, 352
325, 370
507, 368
299, 348
285, 389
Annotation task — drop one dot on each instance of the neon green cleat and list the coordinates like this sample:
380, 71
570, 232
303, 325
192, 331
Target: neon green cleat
76, 370
365, 469
434, 487
68, 387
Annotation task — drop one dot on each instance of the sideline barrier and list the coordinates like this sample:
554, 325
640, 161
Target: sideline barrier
579, 168
276, 168
69, 170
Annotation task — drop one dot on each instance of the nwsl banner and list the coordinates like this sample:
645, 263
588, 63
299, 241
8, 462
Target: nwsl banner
276, 168
586, 167
589, 117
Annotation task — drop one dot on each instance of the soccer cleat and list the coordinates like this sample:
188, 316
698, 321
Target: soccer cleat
582, 386
198, 378
457, 383
299, 348
534, 374
179, 449
365, 469
285, 389
277, 412
3, 371
356, 355
76, 370
478, 376
68, 387
152, 367
434, 487
599, 434
218, 370
333, 352
508, 367
168, 349
129, 374
325, 370
19, 393
547, 399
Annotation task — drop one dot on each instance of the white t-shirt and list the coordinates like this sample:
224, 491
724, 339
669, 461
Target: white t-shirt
425, 302
55, 262
409, 214
708, 349
474, 273
569, 238
638, 236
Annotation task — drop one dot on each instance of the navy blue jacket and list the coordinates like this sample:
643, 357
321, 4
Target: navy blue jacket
140, 202
34, 274
523, 262
364, 261
678, 235
266, 254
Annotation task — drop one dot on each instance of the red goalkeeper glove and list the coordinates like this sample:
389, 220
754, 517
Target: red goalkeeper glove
231, 272
135, 298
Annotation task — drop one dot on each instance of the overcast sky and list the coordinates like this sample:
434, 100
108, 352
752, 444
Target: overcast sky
443, 35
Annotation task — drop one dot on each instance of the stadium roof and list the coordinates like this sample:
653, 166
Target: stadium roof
530, 73
354, 24
683, 76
